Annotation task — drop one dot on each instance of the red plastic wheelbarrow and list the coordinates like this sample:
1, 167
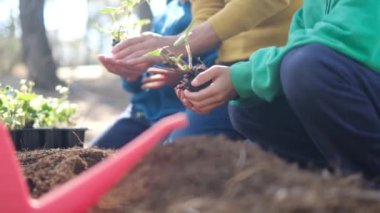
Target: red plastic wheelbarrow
82, 192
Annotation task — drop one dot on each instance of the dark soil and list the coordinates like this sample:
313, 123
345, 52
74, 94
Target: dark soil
187, 76
207, 174
45, 169
185, 82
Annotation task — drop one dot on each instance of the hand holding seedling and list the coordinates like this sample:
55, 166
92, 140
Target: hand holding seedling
161, 77
121, 20
217, 93
121, 24
133, 51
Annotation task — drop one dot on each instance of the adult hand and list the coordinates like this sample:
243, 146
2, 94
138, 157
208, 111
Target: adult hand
161, 77
217, 93
132, 73
132, 51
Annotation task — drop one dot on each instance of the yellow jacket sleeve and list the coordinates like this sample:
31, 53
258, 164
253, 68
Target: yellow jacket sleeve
203, 9
237, 15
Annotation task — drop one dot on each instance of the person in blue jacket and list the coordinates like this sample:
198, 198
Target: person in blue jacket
149, 105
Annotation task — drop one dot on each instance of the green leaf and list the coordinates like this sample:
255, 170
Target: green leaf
21, 107
156, 52
109, 10
143, 22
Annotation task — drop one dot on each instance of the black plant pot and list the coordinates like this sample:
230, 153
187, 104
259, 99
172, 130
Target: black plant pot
28, 138
69, 137
47, 138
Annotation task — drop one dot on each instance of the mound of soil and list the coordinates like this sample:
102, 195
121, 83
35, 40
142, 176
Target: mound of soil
46, 169
207, 174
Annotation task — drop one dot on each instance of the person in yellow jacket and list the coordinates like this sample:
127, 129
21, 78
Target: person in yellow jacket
236, 27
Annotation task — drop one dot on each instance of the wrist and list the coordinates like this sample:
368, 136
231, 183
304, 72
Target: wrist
203, 38
177, 50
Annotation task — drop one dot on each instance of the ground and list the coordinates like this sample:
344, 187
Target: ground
206, 174
203, 174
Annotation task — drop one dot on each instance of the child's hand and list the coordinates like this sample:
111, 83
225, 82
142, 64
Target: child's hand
132, 73
133, 51
219, 92
161, 77
181, 97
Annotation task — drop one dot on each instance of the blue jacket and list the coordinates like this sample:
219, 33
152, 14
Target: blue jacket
159, 103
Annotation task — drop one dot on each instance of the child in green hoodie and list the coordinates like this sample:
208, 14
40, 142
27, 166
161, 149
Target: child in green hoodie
316, 100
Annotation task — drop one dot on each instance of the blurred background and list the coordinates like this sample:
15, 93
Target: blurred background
55, 42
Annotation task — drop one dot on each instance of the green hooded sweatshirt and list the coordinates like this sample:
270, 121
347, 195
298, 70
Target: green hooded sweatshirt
351, 27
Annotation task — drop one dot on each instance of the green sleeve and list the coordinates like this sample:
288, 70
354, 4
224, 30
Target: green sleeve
257, 80
351, 27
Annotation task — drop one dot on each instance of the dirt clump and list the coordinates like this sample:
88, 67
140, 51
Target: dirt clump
46, 169
188, 77
213, 174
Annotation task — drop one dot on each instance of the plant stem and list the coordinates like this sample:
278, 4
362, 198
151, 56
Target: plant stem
189, 56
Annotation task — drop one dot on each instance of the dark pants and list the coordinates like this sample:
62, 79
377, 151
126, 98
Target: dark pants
132, 123
127, 126
216, 122
329, 112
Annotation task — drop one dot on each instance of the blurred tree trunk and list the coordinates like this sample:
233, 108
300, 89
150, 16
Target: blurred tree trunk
37, 54
143, 11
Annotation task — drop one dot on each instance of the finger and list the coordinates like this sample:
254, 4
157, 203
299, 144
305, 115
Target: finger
109, 60
142, 45
101, 57
137, 54
140, 57
205, 76
154, 78
136, 67
187, 103
207, 108
178, 92
130, 75
181, 97
160, 71
104, 59
207, 102
201, 95
114, 69
142, 62
204, 110
131, 50
106, 63
154, 82
127, 44
153, 85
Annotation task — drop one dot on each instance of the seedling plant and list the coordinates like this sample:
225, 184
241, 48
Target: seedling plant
177, 64
23, 108
122, 21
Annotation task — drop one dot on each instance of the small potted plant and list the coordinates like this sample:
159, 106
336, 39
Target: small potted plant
36, 121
